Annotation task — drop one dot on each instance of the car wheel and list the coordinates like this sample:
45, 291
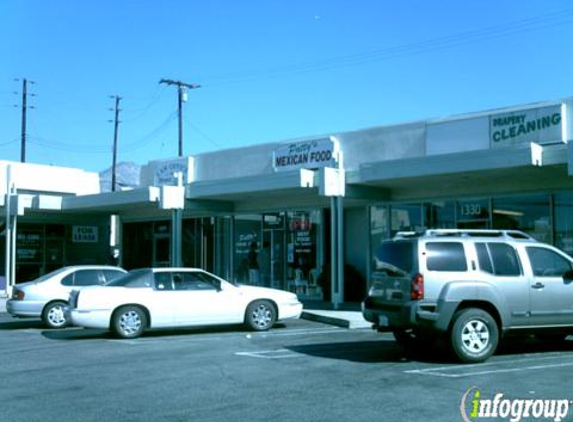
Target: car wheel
129, 322
54, 316
474, 335
261, 315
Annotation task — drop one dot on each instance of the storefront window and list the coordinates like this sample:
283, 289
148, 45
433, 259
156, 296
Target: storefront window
406, 218
379, 230
564, 222
191, 242
247, 232
530, 214
2, 262
272, 253
303, 266
440, 215
137, 245
473, 214
223, 247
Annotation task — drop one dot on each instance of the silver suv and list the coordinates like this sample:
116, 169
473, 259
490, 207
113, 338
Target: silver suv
471, 285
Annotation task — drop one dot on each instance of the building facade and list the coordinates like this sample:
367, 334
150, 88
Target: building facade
305, 215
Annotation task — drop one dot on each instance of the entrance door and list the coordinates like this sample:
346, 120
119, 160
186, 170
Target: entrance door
161, 250
271, 253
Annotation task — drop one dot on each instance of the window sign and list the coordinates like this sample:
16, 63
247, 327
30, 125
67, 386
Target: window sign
272, 221
473, 210
84, 234
29, 246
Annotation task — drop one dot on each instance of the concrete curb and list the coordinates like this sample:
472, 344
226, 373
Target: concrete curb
344, 319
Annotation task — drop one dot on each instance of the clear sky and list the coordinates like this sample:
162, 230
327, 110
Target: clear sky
269, 70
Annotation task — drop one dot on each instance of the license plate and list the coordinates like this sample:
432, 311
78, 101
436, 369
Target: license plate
383, 321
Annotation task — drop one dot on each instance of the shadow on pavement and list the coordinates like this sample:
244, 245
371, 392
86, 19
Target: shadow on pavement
77, 333
19, 324
390, 351
520, 345
370, 352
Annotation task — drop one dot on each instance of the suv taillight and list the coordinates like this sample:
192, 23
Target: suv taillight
417, 287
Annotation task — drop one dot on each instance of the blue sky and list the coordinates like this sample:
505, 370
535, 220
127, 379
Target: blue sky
270, 70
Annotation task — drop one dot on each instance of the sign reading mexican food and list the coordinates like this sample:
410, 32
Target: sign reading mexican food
536, 125
313, 154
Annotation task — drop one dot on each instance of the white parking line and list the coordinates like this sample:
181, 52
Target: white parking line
270, 354
495, 367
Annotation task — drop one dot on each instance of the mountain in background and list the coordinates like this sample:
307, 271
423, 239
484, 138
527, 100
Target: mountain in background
127, 177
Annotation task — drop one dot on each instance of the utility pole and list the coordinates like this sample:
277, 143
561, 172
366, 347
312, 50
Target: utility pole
24, 109
182, 97
117, 99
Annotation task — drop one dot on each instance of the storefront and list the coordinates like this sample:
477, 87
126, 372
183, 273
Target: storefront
306, 215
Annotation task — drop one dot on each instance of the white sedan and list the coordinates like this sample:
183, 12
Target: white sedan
47, 296
178, 297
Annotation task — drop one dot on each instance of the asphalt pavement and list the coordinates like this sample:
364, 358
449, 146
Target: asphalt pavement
302, 371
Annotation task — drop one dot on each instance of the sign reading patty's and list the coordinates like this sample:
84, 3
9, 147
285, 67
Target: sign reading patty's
538, 125
313, 154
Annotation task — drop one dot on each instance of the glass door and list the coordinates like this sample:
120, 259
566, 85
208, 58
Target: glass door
272, 263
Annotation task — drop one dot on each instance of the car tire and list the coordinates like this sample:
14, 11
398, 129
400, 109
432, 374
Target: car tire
260, 315
129, 322
474, 335
53, 315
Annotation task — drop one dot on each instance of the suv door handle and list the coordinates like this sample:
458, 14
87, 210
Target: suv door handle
538, 285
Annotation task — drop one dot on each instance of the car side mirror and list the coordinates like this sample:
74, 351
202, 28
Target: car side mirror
218, 285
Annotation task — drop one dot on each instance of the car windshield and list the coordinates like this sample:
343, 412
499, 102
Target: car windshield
135, 278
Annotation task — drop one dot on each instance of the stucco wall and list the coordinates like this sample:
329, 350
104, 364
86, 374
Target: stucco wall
36, 178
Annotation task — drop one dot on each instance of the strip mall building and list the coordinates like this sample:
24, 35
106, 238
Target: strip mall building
313, 210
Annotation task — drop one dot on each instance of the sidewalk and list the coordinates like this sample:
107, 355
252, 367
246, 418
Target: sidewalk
348, 316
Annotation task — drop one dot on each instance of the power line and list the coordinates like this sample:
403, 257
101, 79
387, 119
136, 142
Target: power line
441, 43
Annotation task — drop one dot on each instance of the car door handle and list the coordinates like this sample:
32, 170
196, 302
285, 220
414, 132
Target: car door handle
538, 285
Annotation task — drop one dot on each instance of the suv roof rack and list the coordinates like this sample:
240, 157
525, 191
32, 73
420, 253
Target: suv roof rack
515, 234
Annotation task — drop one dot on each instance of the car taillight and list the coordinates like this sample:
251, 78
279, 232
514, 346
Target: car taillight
417, 287
17, 294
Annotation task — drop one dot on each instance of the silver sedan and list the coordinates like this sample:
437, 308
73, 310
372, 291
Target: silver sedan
47, 296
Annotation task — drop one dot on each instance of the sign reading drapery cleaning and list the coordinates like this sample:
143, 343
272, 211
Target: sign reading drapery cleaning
537, 125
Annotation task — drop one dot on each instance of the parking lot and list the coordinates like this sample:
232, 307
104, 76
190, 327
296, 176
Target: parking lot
299, 371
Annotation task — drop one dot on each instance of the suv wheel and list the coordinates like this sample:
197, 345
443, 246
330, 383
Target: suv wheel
474, 335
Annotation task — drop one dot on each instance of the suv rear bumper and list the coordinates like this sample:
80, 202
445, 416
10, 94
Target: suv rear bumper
386, 317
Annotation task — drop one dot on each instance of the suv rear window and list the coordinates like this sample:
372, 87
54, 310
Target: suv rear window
446, 256
395, 258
